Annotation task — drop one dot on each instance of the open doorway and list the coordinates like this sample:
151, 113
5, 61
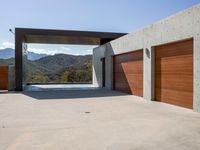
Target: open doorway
56, 64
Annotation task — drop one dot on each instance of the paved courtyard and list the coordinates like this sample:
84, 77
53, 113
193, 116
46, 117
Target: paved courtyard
94, 120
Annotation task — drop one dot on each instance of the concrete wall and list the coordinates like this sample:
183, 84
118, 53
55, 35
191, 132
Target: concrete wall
97, 65
181, 26
11, 77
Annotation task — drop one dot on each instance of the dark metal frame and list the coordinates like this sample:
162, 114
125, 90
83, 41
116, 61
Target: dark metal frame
47, 36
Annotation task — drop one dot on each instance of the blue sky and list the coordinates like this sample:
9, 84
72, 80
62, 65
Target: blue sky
90, 15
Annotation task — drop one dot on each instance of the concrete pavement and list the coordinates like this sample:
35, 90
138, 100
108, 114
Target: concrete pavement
94, 120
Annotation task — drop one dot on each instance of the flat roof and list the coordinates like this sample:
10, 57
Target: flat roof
51, 36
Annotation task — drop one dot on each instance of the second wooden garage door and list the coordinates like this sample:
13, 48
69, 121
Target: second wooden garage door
174, 73
128, 73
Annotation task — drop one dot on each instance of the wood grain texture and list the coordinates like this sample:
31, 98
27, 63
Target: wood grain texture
3, 77
128, 73
174, 73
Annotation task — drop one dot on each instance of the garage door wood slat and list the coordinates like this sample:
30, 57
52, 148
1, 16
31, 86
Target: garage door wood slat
128, 57
174, 73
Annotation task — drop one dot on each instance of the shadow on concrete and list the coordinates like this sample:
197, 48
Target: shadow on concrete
71, 94
127, 71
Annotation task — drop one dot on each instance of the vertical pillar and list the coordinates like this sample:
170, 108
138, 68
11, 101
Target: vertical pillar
18, 61
98, 53
196, 80
109, 72
148, 73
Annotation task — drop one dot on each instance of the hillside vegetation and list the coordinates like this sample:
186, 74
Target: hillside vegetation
59, 68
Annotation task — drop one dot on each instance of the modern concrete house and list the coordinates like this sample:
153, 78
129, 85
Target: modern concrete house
160, 62
140, 78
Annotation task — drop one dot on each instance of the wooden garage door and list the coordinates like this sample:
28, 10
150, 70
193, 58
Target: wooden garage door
174, 73
128, 73
3, 77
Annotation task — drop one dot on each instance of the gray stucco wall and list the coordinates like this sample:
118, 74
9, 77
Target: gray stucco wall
11, 77
181, 26
97, 65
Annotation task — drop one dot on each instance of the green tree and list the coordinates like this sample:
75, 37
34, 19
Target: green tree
40, 78
72, 76
65, 77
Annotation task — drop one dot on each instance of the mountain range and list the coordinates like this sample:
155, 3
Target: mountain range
10, 53
51, 68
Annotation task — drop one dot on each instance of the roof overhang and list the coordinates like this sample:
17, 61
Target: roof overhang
49, 36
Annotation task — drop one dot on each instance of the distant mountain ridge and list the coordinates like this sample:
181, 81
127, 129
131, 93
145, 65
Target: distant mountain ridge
58, 62
8, 53
54, 66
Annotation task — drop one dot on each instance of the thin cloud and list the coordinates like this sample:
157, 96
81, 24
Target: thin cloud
7, 45
89, 51
43, 51
65, 48
62, 50
51, 50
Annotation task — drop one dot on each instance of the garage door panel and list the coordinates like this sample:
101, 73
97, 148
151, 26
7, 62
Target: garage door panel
174, 97
166, 65
123, 87
129, 57
120, 67
135, 86
134, 89
3, 77
175, 82
169, 53
131, 79
122, 58
137, 91
128, 73
171, 94
174, 49
135, 67
3, 87
174, 73
121, 77
4, 69
135, 79
129, 67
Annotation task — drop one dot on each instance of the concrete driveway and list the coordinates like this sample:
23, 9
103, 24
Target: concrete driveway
94, 120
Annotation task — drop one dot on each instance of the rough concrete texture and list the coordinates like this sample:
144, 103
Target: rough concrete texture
97, 65
57, 120
196, 86
181, 26
11, 78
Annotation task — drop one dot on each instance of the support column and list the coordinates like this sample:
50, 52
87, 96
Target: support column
109, 72
18, 62
196, 80
98, 53
148, 73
